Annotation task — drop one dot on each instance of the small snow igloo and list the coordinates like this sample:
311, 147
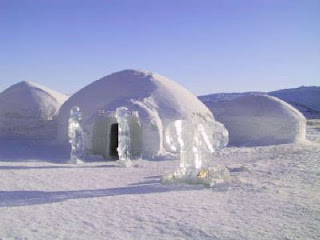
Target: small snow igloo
28, 111
153, 101
259, 120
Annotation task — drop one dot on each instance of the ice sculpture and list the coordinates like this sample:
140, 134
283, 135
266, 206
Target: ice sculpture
184, 135
196, 140
75, 133
124, 138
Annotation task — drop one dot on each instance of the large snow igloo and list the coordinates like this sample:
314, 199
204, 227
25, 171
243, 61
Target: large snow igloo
153, 100
259, 120
28, 111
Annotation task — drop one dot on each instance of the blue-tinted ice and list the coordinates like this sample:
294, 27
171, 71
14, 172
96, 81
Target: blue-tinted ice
75, 133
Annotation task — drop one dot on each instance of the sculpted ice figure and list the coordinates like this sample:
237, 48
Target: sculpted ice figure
196, 140
124, 138
75, 133
208, 138
220, 135
179, 139
184, 134
201, 145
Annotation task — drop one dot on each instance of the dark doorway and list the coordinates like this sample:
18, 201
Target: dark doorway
114, 141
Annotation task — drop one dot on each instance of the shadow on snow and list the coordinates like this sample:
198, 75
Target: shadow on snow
25, 198
52, 167
23, 150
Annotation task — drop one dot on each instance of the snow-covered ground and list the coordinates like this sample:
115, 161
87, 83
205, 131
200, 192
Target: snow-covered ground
274, 193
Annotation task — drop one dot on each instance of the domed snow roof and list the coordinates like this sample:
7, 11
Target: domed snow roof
259, 120
136, 87
30, 100
26, 109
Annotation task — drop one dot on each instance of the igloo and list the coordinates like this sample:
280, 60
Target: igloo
153, 101
259, 120
28, 111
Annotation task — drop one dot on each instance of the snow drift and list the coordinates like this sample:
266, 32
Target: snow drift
28, 111
154, 101
259, 120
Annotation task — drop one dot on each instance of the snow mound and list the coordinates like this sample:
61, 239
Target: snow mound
259, 120
28, 110
158, 101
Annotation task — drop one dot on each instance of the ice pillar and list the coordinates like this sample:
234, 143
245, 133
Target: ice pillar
124, 138
184, 134
75, 134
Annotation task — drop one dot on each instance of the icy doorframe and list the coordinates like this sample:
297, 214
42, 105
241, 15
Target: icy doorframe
102, 133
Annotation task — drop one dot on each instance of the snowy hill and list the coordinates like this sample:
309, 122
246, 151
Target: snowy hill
305, 99
228, 96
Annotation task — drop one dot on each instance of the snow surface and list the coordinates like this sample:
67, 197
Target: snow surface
259, 120
273, 194
27, 110
158, 100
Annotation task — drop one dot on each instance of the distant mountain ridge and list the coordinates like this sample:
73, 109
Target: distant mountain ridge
305, 99
228, 96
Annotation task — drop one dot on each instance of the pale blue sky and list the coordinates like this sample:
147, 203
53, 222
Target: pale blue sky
206, 45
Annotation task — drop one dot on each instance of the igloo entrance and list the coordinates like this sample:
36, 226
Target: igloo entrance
105, 137
114, 141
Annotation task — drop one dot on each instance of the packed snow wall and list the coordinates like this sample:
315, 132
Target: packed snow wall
259, 120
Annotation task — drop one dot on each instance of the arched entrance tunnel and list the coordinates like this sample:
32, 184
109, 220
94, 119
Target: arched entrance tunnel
105, 139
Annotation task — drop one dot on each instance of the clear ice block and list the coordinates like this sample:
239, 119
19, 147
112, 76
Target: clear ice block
75, 133
124, 138
195, 139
